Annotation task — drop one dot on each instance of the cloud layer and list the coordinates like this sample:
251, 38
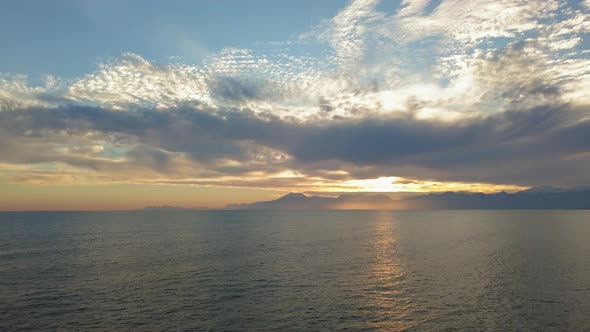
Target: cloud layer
450, 92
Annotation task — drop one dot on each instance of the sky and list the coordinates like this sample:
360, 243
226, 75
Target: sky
122, 104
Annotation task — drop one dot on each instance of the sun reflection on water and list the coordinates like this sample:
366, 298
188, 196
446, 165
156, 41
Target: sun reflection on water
387, 291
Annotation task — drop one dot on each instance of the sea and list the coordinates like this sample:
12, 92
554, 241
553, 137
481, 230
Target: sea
470, 270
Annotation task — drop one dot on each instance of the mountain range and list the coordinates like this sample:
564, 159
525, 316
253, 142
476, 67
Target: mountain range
533, 198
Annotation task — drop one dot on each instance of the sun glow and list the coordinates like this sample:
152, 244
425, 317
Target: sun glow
397, 184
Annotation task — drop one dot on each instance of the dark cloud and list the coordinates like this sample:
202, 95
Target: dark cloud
233, 89
325, 105
553, 142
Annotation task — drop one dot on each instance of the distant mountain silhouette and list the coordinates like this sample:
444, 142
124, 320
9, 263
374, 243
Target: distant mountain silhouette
297, 201
533, 198
544, 189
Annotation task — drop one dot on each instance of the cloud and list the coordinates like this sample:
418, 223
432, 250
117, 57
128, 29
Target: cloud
497, 149
480, 92
471, 23
133, 81
347, 31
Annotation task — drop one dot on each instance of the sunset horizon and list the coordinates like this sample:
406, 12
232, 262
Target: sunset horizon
365, 96
294, 165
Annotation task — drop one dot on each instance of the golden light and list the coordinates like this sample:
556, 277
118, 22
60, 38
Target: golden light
398, 184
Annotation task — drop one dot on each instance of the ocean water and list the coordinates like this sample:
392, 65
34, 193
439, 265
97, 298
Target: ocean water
293, 270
